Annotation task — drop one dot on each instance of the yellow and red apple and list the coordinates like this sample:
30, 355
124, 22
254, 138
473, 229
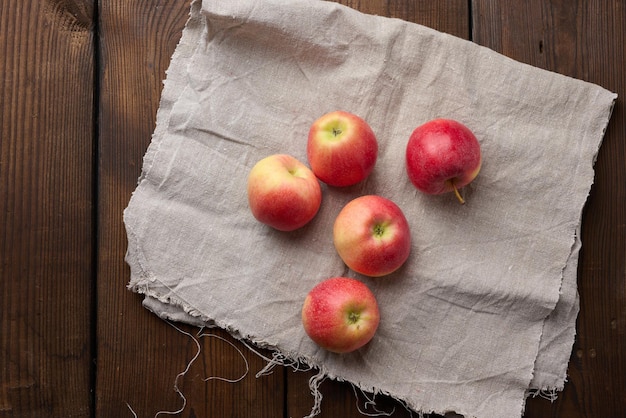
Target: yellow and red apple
283, 192
442, 155
340, 314
341, 148
372, 236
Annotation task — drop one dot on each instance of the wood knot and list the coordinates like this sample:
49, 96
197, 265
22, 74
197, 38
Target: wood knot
71, 15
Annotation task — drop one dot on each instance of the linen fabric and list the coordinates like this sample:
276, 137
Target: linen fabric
485, 307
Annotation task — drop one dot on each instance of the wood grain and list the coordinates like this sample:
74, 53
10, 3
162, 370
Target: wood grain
135, 41
450, 16
582, 39
46, 178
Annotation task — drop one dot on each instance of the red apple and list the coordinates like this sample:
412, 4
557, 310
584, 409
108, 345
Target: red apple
283, 193
372, 236
341, 148
442, 156
340, 314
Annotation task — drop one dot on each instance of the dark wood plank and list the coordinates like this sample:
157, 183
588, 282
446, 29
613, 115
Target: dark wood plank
139, 355
340, 399
46, 155
450, 16
583, 39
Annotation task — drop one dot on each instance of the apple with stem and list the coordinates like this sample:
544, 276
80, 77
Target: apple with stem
341, 148
283, 192
442, 155
340, 314
372, 236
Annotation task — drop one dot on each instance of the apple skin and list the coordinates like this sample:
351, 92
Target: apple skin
341, 148
372, 236
340, 314
442, 155
283, 192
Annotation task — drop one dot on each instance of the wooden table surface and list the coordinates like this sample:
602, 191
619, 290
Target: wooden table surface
81, 82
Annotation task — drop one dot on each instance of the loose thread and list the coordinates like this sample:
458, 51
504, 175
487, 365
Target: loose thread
549, 394
268, 369
314, 385
223, 379
131, 410
255, 351
370, 402
278, 359
180, 375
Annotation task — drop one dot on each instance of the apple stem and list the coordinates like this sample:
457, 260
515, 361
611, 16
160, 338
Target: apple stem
457, 194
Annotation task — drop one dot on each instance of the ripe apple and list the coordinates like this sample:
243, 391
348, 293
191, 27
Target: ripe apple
442, 155
341, 148
372, 236
283, 192
340, 314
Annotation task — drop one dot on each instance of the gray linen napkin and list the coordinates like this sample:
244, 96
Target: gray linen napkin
484, 309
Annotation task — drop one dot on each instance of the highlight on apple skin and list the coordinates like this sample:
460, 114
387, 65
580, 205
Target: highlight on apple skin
372, 236
442, 155
283, 192
341, 148
340, 314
